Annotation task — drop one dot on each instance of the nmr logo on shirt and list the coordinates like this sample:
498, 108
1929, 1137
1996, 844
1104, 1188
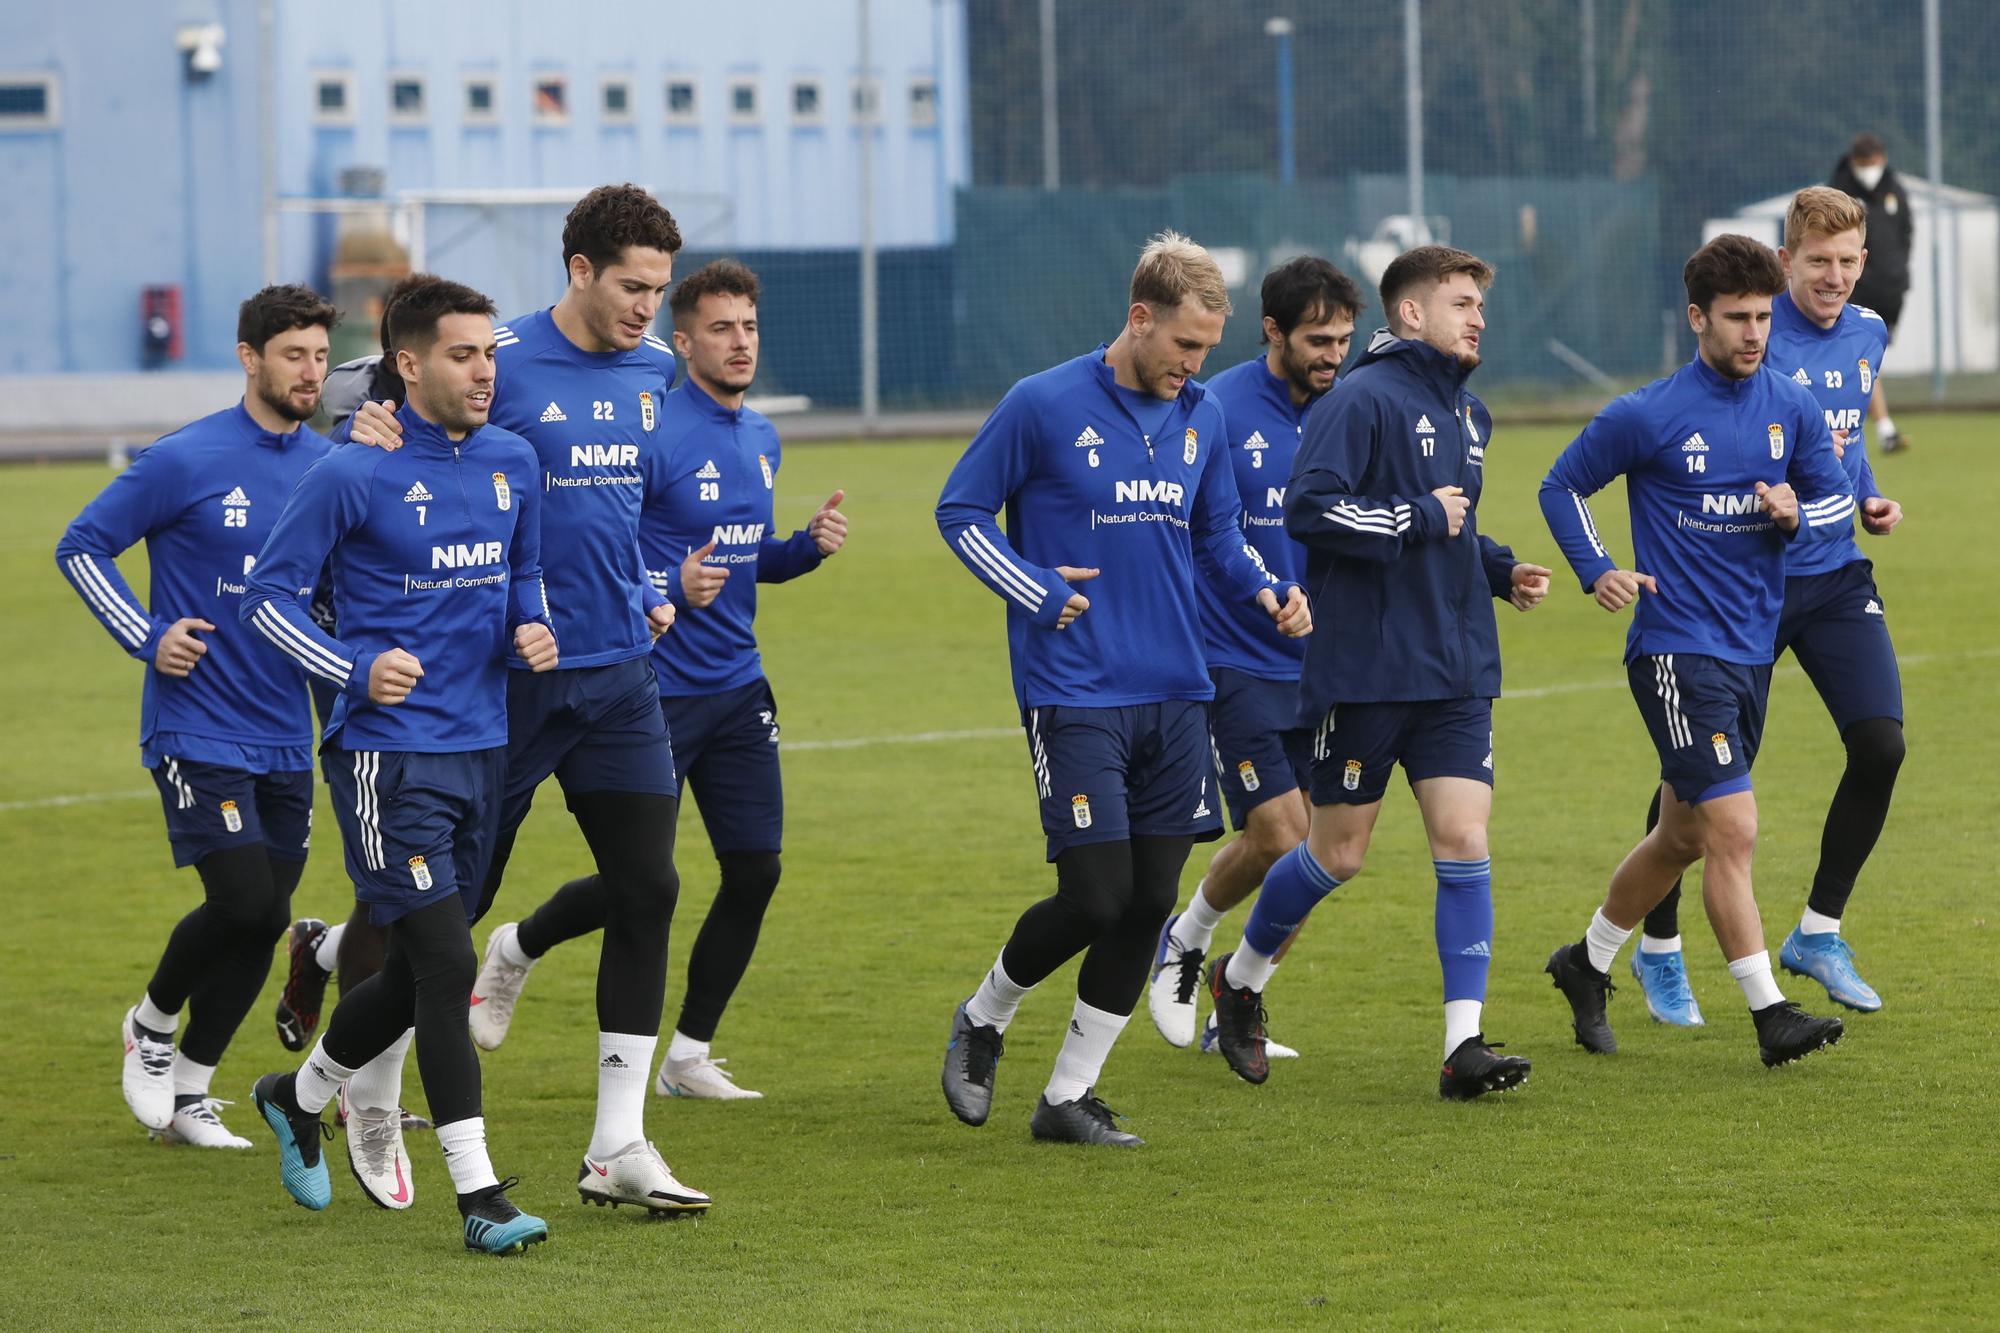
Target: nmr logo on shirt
603, 455
1730, 504
1166, 492
463, 556
738, 534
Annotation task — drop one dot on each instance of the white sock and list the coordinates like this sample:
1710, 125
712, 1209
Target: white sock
998, 997
1753, 974
510, 946
1888, 427
327, 952
1603, 941
1249, 968
1195, 927
1818, 923
1461, 1020
684, 1047
378, 1085
624, 1063
319, 1078
190, 1079
1649, 944
464, 1144
153, 1018
1081, 1060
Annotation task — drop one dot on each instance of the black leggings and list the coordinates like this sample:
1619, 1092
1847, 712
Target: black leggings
362, 946
426, 980
219, 954
631, 898
1853, 823
1111, 899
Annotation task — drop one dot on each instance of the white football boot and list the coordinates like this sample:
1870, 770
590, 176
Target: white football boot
198, 1126
376, 1155
1170, 996
149, 1075
495, 991
1273, 1050
700, 1077
638, 1175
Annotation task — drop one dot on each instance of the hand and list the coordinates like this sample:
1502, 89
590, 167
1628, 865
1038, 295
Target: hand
1880, 515
1531, 584
375, 424
1840, 443
179, 650
701, 583
661, 618
1617, 589
1781, 502
828, 528
392, 677
1294, 618
1455, 507
535, 644
1077, 603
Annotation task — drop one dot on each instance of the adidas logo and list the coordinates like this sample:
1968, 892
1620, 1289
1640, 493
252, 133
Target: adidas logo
1090, 439
1076, 1027
709, 471
416, 494
553, 413
1256, 441
1200, 811
1801, 376
1424, 426
611, 1061
236, 499
1478, 950
1874, 608
1694, 444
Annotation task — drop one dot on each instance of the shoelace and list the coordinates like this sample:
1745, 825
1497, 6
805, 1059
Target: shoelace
507, 986
1674, 982
1191, 960
204, 1111
715, 1067
1244, 1006
492, 1204
377, 1138
983, 1049
156, 1058
1094, 1107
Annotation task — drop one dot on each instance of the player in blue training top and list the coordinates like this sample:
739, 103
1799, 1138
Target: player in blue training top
583, 382
436, 571
1262, 755
1384, 495
224, 724
704, 533
1711, 457
1111, 467
1833, 620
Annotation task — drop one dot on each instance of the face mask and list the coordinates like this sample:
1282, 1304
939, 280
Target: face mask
1870, 176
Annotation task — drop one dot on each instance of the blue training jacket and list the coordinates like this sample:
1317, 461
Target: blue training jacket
1084, 485
1692, 448
710, 475
202, 499
1839, 365
1404, 613
436, 549
1264, 431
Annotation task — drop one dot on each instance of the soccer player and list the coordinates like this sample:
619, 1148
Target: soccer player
1715, 458
583, 382
1262, 757
1384, 495
1111, 467
1833, 621
436, 570
224, 725
703, 533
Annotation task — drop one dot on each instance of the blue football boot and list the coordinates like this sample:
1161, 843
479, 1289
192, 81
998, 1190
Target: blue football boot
1828, 960
1664, 978
493, 1225
299, 1161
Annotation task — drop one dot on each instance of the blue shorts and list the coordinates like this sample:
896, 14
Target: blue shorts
1111, 774
1357, 745
595, 728
1835, 627
1259, 753
212, 808
726, 747
1706, 718
415, 827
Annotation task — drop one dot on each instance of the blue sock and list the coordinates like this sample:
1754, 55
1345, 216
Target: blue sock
1291, 889
1465, 926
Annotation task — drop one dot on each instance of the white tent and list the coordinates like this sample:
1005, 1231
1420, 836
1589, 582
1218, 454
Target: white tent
1969, 224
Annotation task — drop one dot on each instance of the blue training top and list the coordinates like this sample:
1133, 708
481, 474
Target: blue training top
1839, 365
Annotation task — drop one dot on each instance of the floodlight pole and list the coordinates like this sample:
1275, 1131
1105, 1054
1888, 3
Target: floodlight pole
1413, 103
267, 133
1051, 131
1281, 29
1934, 166
870, 350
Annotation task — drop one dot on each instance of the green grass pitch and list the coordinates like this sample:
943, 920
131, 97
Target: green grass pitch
1676, 1183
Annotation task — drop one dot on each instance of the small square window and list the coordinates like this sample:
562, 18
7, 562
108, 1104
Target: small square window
615, 101
743, 101
406, 97
923, 103
27, 102
551, 100
481, 105
333, 98
805, 102
683, 101
867, 102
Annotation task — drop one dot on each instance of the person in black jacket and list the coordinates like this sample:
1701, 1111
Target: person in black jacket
1885, 276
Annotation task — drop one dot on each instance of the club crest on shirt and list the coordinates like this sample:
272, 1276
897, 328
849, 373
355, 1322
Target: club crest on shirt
1351, 778
421, 873
1247, 771
1777, 434
1188, 447
1867, 377
646, 417
232, 818
765, 464
1079, 810
501, 493
1471, 430
1721, 744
